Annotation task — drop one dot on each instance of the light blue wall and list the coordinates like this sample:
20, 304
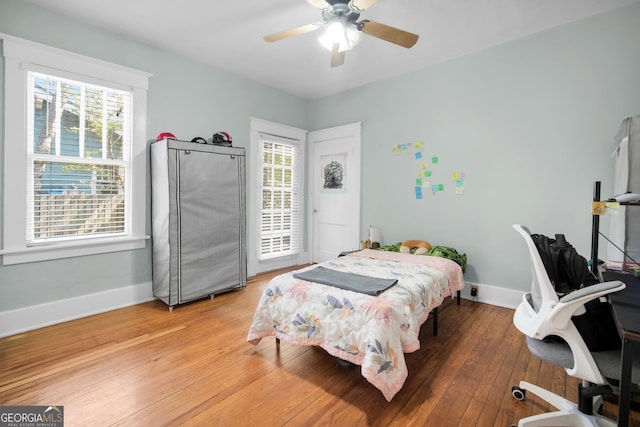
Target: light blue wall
185, 97
530, 122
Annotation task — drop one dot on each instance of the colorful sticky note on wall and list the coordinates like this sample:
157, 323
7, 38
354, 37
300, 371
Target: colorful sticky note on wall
458, 175
427, 173
418, 155
434, 160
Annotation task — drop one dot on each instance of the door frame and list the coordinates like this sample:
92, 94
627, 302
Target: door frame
318, 136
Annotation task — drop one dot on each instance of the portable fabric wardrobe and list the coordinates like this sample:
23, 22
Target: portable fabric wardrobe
198, 220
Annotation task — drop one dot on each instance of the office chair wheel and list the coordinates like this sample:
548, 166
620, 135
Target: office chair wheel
518, 393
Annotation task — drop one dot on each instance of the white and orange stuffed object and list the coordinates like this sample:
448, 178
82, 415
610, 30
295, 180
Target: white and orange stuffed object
422, 246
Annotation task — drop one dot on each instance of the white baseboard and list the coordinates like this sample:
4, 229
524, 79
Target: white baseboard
37, 316
494, 295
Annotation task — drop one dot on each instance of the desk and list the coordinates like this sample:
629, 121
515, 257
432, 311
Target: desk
626, 313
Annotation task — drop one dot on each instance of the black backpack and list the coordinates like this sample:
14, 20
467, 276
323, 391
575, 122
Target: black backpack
569, 271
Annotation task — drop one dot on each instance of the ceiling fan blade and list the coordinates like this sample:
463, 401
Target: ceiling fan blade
337, 57
361, 5
292, 32
320, 4
388, 33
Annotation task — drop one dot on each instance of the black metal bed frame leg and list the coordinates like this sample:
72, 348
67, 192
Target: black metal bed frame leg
435, 322
435, 315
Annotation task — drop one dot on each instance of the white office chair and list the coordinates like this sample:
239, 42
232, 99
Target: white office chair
542, 314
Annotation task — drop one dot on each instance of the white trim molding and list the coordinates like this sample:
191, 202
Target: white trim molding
37, 316
493, 295
20, 57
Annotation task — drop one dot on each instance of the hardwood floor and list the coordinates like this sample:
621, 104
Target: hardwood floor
146, 366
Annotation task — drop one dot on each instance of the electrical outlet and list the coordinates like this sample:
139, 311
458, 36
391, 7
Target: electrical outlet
474, 291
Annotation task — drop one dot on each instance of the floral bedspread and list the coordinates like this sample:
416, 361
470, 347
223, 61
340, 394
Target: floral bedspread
370, 331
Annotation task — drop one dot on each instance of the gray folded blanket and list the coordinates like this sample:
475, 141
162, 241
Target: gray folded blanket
349, 281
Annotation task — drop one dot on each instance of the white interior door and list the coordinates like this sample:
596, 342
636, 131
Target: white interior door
335, 187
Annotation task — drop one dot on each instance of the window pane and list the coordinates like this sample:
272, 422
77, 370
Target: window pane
287, 222
267, 174
93, 123
277, 160
115, 135
267, 155
66, 215
266, 199
277, 200
277, 177
276, 224
44, 114
84, 196
69, 110
279, 227
287, 200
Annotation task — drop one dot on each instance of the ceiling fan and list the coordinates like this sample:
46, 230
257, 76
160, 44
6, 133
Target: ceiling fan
343, 30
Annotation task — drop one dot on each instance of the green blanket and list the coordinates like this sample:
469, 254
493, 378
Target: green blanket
441, 251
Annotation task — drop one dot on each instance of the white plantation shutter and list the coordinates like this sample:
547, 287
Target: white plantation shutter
79, 144
280, 228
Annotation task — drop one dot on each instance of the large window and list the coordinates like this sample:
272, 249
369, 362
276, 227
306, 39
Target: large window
280, 203
74, 181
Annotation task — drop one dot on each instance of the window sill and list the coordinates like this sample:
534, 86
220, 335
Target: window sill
70, 250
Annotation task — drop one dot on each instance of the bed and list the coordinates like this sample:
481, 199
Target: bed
371, 331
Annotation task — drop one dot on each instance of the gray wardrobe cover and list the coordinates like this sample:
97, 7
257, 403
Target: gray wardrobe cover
198, 220
625, 225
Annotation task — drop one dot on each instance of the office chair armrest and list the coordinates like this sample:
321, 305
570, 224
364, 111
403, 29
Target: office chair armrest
588, 293
573, 303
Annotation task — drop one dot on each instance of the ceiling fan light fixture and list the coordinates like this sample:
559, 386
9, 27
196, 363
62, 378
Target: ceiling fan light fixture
342, 30
345, 36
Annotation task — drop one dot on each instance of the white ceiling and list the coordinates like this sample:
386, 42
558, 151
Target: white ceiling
227, 34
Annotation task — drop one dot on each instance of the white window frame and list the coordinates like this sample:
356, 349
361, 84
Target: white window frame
20, 57
295, 136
